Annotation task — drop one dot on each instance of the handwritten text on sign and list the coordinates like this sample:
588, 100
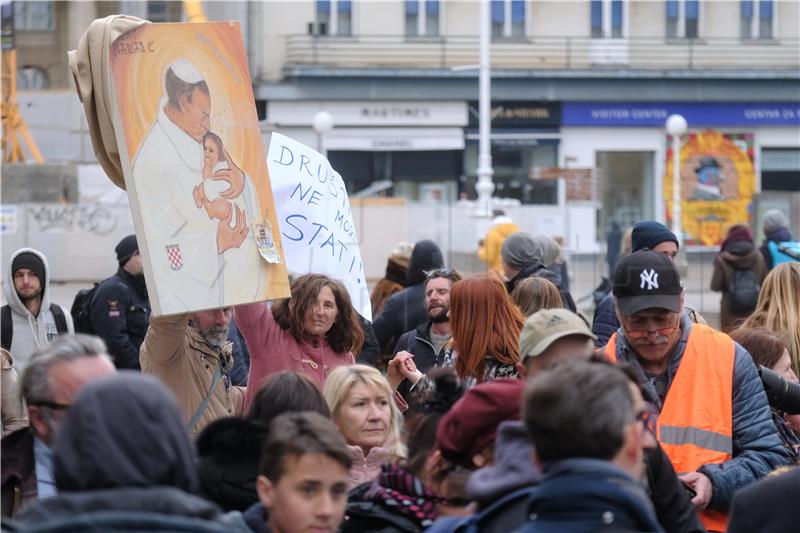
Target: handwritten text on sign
316, 224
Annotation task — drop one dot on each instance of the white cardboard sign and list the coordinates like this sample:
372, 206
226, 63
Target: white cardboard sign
316, 224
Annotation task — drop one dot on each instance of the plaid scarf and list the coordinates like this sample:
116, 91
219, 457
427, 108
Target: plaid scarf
400, 492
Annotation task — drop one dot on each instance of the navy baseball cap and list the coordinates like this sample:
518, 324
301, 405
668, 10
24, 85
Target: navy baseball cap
647, 280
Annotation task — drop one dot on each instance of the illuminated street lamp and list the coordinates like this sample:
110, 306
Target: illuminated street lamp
322, 124
677, 128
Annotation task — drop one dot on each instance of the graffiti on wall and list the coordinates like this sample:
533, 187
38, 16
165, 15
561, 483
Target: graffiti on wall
96, 219
717, 184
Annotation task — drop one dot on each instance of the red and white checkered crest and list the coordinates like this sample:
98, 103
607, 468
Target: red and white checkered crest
174, 256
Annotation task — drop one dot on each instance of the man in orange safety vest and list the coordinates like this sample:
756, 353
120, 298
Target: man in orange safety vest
714, 421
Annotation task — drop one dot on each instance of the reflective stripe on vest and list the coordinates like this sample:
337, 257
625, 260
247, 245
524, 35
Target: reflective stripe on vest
695, 426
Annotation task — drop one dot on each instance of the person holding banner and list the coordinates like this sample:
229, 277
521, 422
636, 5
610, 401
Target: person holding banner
313, 332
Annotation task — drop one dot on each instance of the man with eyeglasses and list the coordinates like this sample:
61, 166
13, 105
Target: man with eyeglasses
646, 235
52, 379
714, 420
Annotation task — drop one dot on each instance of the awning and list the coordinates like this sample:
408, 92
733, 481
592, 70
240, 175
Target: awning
395, 139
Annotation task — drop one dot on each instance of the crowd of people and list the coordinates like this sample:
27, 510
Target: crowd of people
471, 403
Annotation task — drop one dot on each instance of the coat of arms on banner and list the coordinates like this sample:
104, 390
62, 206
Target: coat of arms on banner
174, 256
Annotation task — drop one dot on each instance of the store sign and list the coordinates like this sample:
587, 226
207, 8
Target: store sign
395, 139
519, 114
380, 113
654, 114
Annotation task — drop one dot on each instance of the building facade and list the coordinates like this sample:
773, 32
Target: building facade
575, 84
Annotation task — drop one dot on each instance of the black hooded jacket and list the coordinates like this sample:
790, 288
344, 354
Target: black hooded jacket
229, 450
406, 309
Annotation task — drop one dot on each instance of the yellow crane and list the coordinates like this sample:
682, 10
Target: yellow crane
15, 131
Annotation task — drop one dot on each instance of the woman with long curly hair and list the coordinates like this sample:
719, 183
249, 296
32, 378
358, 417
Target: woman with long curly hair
313, 332
778, 308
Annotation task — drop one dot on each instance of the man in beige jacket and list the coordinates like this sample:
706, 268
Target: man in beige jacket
190, 353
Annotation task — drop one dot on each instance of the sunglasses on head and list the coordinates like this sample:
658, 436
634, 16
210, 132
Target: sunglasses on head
439, 273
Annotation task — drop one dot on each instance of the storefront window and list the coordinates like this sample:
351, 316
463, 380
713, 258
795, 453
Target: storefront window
512, 165
780, 169
627, 187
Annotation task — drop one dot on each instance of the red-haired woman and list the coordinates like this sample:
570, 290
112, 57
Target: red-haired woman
314, 331
485, 344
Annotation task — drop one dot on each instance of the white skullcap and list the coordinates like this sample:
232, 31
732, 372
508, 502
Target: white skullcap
186, 71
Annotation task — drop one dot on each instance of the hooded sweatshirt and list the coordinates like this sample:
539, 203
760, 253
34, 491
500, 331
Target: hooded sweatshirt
30, 332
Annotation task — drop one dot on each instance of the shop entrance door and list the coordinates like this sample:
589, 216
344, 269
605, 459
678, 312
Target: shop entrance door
628, 181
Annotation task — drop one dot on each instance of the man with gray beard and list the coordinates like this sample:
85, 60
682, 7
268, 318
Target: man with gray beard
191, 354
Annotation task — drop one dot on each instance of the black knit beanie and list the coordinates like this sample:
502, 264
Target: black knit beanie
125, 249
30, 261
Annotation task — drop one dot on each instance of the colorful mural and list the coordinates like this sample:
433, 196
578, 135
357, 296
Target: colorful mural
717, 184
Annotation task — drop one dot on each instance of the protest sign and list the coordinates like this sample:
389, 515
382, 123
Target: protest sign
193, 160
316, 224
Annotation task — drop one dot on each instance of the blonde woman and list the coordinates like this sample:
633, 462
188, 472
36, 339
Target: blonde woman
778, 308
362, 406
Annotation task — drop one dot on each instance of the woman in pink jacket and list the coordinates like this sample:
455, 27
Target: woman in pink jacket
312, 332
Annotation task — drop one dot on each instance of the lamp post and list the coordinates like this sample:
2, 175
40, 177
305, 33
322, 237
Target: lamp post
676, 127
484, 187
322, 124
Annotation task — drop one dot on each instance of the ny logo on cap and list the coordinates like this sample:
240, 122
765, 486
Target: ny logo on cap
649, 277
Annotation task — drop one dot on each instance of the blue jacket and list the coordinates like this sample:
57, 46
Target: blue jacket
588, 495
757, 447
605, 322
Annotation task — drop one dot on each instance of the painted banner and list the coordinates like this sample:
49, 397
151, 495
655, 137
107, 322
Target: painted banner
717, 184
194, 166
316, 224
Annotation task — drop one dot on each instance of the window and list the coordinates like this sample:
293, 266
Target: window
606, 18
508, 18
683, 19
164, 11
757, 18
334, 17
34, 16
780, 169
422, 18
32, 79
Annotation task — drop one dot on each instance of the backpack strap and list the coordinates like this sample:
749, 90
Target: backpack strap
204, 405
61, 320
6, 327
